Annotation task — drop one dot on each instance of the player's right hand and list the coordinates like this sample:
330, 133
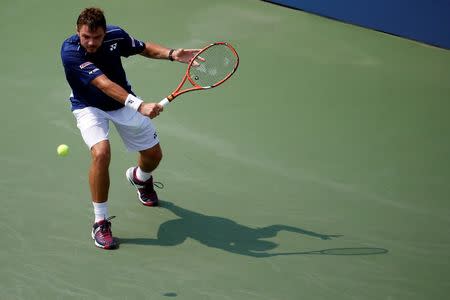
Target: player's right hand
151, 110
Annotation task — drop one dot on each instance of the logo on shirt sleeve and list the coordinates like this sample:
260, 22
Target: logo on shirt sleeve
84, 65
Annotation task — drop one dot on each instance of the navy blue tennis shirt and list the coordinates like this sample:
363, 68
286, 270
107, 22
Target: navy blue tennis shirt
82, 67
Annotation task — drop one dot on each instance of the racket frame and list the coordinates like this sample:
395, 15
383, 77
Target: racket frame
195, 86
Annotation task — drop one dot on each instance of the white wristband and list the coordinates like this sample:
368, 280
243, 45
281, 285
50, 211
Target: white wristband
133, 102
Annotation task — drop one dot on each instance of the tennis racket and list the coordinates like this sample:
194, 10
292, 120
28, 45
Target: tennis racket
209, 68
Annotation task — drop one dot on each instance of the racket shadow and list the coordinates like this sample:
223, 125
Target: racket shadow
220, 233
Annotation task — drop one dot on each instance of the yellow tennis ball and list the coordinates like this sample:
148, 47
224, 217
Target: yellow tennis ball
62, 150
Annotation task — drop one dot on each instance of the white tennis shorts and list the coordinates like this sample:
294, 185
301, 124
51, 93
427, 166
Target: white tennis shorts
136, 130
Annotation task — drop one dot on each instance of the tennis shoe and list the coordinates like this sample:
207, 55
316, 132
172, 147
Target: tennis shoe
146, 193
102, 235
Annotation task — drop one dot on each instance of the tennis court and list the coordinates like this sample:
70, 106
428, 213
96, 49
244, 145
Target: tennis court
319, 171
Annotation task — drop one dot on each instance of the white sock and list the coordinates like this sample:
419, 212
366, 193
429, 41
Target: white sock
100, 211
142, 176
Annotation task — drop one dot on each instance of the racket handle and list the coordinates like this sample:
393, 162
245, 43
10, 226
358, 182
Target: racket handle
164, 102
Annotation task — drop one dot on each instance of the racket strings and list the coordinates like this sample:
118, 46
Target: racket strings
218, 63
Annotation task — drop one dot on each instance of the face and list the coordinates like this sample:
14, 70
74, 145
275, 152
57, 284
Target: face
91, 40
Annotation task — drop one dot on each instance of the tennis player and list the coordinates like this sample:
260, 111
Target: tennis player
101, 94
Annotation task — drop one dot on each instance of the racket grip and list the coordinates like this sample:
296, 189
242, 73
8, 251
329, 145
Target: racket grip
164, 102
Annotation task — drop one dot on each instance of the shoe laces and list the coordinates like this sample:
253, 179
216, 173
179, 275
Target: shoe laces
105, 227
150, 188
158, 184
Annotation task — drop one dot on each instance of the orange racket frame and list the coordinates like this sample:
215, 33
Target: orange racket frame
195, 87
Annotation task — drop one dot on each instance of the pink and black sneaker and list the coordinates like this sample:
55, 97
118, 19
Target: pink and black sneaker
102, 235
146, 192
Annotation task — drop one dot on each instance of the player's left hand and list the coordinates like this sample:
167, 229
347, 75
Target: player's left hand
184, 55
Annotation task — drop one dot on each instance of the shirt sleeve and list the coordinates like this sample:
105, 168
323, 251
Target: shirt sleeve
130, 45
79, 70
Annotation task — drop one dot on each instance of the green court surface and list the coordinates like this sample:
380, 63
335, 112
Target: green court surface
320, 171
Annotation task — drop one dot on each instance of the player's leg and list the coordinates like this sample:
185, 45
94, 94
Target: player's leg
139, 134
94, 127
98, 171
141, 175
149, 159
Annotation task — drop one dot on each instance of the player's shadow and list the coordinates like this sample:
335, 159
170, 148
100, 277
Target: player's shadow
219, 233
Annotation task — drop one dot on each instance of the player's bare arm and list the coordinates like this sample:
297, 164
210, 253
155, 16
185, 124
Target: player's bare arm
118, 93
156, 51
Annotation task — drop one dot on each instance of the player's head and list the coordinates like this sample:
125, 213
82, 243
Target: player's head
91, 28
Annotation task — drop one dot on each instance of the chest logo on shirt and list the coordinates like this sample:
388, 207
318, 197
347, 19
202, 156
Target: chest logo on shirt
113, 47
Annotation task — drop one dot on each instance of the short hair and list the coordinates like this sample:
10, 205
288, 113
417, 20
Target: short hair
93, 17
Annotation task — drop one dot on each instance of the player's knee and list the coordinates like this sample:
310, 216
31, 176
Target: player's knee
154, 157
103, 157
101, 153
154, 154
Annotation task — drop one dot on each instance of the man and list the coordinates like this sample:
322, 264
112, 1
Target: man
100, 94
